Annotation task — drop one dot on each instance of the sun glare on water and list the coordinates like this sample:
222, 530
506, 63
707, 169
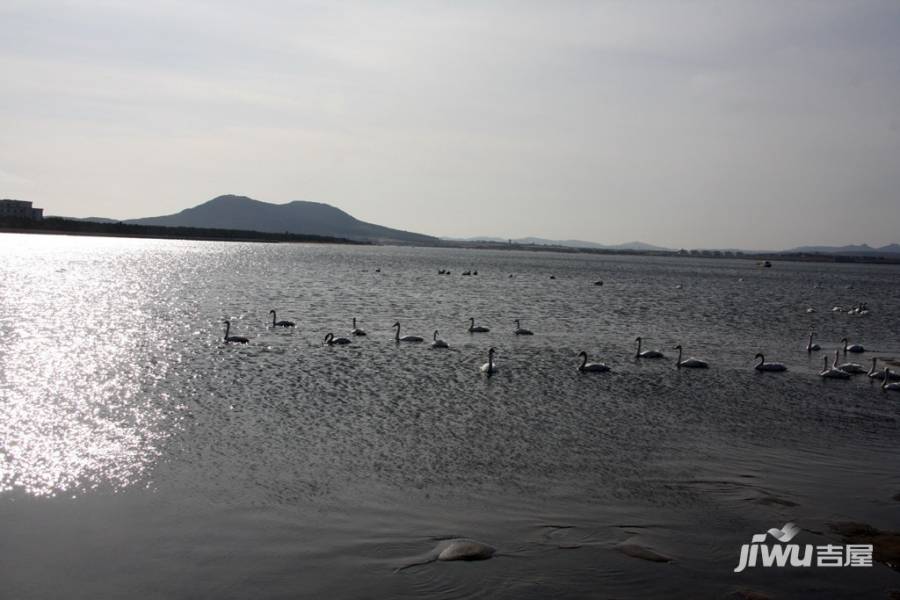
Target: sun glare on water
79, 406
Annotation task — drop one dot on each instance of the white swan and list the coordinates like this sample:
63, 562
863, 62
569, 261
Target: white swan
280, 323
646, 353
438, 343
586, 367
855, 348
233, 338
874, 374
476, 328
405, 338
810, 347
831, 372
357, 331
330, 340
893, 387
770, 366
860, 310
690, 363
489, 368
852, 368
521, 331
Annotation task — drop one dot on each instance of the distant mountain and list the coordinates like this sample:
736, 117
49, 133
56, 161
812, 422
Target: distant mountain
565, 243
299, 217
852, 249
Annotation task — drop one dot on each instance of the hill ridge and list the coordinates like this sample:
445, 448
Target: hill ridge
232, 211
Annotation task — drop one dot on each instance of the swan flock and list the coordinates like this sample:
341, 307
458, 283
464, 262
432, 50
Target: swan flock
836, 370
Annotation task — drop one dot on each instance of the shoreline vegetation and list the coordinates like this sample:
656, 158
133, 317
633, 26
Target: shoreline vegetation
731, 254
63, 226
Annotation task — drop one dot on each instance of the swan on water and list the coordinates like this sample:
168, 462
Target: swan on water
330, 340
233, 338
810, 347
689, 363
520, 330
280, 323
894, 387
874, 374
476, 328
860, 310
489, 367
852, 368
356, 330
405, 338
855, 348
831, 372
586, 367
646, 353
768, 366
438, 343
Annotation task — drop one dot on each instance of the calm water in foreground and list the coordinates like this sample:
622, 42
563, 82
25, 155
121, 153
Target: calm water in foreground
141, 457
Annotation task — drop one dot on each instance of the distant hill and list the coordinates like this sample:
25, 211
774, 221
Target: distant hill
641, 246
298, 217
890, 249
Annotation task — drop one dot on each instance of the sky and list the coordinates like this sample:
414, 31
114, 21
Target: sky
720, 124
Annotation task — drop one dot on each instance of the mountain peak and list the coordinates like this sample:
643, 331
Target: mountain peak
230, 199
231, 211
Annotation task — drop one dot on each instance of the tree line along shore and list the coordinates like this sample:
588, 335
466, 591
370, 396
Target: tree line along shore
63, 226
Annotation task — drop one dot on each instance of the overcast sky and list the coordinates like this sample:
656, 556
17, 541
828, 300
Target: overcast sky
695, 124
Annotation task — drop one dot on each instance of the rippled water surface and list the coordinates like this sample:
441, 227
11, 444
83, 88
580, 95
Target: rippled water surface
142, 457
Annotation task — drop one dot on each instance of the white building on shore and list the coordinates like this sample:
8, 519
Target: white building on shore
20, 209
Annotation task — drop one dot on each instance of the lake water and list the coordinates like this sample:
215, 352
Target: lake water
142, 457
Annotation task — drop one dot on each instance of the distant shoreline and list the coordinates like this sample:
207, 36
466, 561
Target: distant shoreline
61, 226
714, 254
